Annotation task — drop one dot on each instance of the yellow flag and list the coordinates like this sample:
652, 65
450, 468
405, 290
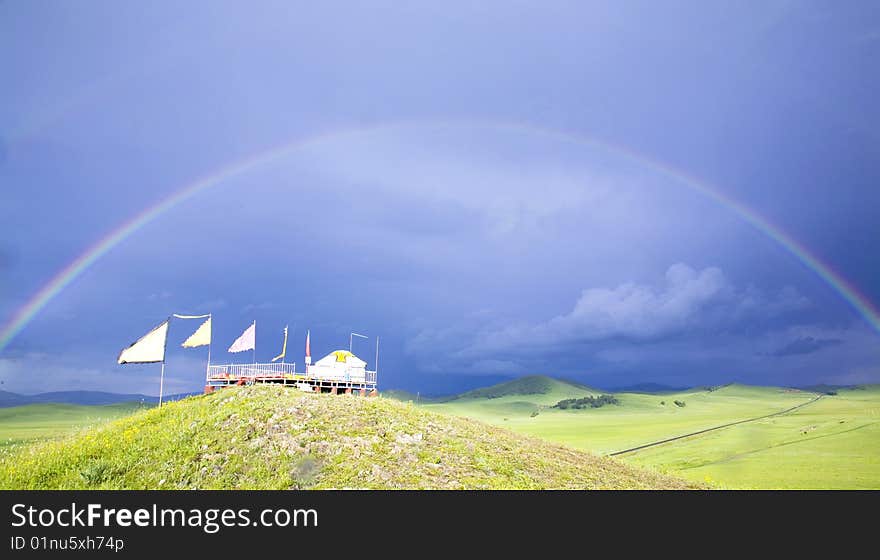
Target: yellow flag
202, 336
283, 346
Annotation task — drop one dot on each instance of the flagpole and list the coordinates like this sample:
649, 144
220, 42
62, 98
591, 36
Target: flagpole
162, 373
255, 342
351, 337
308, 358
161, 382
208, 366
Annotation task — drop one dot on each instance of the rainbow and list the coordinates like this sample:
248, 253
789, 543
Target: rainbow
19, 320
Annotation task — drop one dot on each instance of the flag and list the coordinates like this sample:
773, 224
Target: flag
202, 336
284, 346
308, 353
148, 349
247, 340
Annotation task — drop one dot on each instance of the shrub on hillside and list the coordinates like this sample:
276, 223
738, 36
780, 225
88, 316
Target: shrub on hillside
586, 402
679, 403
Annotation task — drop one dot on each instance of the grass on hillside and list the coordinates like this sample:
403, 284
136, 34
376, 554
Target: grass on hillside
25, 424
832, 443
638, 418
266, 437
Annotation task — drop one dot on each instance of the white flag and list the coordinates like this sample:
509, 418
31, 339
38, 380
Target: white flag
202, 336
247, 340
148, 349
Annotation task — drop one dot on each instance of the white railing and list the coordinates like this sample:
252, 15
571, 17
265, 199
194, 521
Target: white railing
239, 371
270, 370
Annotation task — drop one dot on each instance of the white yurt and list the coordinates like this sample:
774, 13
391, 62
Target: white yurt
339, 365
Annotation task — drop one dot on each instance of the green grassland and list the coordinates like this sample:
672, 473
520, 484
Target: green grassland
25, 424
266, 437
638, 419
831, 443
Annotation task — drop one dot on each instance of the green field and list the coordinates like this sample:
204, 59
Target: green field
269, 437
29, 423
831, 443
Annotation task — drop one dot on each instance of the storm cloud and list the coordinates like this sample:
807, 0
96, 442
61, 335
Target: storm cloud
493, 189
805, 345
687, 302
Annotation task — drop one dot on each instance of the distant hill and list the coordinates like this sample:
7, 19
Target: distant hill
13, 399
8, 399
649, 388
528, 385
270, 437
828, 389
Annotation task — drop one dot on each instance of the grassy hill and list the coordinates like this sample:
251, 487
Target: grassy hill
638, 418
539, 387
650, 388
531, 388
12, 399
275, 438
831, 443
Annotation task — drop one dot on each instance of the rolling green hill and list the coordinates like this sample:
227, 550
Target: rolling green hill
275, 438
829, 443
638, 418
777, 452
533, 388
833, 443
531, 385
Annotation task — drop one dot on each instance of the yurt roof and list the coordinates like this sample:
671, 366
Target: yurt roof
341, 356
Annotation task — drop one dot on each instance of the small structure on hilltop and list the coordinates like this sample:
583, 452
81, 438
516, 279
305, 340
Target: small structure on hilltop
339, 364
338, 371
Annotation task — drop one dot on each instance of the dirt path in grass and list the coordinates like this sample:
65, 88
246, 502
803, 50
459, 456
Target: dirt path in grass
712, 429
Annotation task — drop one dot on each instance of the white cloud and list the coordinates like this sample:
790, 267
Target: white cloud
642, 311
686, 301
509, 194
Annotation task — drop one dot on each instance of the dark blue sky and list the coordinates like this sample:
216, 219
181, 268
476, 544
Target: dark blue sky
464, 187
